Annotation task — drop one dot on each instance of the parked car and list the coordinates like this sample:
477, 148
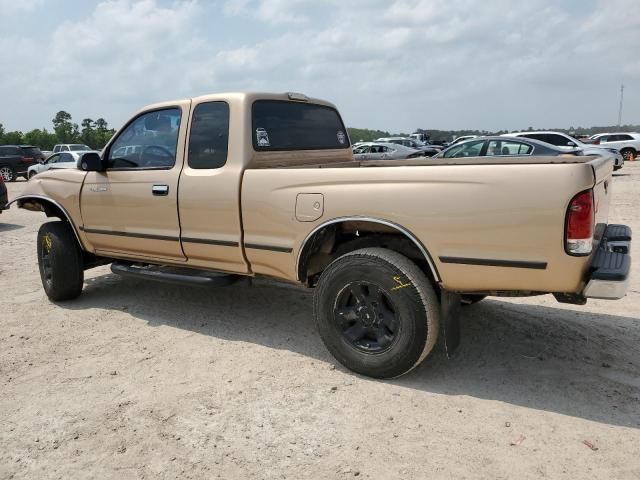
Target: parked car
57, 160
33, 152
499, 146
71, 147
420, 137
389, 250
13, 163
627, 143
567, 142
428, 149
385, 151
3, 195
462, 139
47, 153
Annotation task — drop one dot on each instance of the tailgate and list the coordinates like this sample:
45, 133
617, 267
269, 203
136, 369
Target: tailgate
603, 172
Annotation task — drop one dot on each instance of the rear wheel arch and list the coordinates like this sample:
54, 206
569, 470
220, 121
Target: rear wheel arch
342, 235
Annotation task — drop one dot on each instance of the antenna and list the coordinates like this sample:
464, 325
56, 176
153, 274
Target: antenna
620, 109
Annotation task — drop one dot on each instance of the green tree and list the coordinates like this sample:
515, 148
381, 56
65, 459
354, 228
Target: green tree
64, 128
41, 138
88, 133
103, 133
12, 138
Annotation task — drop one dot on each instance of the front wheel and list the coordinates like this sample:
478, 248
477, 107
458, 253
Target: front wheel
376, 312
60, 261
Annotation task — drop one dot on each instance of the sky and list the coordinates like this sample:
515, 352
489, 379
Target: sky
390, 65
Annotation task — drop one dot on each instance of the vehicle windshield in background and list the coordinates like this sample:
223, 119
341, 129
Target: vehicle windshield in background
281, 125
79, 148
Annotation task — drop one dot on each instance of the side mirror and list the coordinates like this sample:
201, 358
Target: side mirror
571, 144
90, 162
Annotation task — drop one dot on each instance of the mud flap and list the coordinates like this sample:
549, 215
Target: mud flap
449, 316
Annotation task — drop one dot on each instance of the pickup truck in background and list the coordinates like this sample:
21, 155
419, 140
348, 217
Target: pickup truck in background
211, 189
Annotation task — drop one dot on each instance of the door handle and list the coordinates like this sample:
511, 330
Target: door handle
160, 190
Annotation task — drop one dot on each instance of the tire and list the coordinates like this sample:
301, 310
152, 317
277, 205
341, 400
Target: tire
60, 261
629, 154
376, 312
471, 299
31, 175
7, 174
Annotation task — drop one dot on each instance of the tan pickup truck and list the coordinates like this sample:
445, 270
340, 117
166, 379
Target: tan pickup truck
211, 189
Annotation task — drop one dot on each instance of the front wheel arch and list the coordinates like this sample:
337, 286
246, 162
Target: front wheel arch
51, 208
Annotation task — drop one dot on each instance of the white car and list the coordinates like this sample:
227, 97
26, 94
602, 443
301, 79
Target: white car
567, 142
627, 143
71, 147
57, 160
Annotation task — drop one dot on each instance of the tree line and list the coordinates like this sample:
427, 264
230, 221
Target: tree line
95, 134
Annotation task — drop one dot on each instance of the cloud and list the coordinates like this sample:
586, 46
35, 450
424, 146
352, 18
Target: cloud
12, 7
395, 65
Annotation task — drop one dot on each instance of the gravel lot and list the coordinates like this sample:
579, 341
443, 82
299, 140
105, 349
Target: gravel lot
145, 380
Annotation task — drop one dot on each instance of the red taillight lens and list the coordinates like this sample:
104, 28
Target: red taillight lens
597, 141
27, 159
580, 223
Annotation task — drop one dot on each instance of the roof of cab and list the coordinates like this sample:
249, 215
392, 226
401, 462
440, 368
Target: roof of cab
248, 97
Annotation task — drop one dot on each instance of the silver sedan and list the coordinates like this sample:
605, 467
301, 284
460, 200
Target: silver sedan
384, 151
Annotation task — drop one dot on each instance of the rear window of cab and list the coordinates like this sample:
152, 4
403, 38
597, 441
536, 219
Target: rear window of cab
283, 126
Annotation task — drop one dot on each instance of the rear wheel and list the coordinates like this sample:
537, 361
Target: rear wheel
60, 261
629, 154
7, 174
376, 312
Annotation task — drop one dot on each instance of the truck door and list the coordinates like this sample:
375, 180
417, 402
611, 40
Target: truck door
209, 196
132, 207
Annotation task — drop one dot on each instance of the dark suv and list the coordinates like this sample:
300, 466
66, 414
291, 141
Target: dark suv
33, 152
14, 163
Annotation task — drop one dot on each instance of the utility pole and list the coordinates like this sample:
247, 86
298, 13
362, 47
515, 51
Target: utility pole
620, 109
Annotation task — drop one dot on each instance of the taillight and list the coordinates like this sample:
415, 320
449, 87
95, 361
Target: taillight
27, 159
596, 141
580, 223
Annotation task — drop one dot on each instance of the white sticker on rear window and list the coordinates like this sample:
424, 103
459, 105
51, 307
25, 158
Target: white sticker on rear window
262, 137
341, 137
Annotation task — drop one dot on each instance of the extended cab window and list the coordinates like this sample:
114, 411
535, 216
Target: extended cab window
281, 125
150, 141
209, 137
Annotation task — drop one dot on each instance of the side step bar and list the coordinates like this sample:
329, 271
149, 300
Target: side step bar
175, 275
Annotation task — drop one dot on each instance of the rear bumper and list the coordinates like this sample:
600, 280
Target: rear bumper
610, 266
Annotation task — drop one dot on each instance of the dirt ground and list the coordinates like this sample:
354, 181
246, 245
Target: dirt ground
145, 380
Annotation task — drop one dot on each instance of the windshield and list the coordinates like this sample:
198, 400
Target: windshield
78, 148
